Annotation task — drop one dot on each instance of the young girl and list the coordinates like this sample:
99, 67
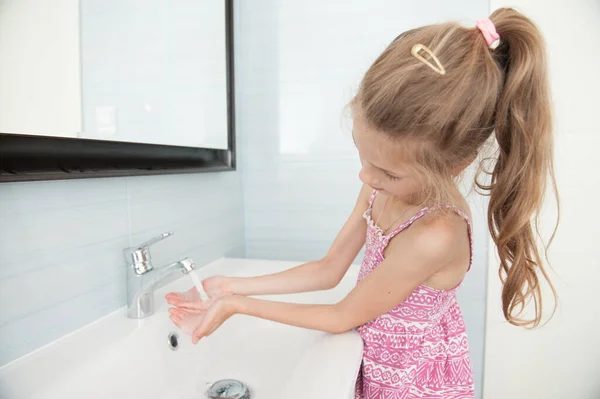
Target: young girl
423, 112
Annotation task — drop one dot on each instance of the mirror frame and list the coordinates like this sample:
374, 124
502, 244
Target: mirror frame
27, 157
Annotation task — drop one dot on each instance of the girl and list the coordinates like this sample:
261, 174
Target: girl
423, 112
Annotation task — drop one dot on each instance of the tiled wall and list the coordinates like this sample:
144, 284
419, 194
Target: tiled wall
61, 262
299, 64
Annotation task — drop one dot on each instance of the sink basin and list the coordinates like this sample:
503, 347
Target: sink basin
117, 357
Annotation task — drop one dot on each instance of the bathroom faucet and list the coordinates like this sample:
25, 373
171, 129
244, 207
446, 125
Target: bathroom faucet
143, 278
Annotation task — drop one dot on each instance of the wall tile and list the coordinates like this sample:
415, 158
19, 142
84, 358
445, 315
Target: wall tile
61, 243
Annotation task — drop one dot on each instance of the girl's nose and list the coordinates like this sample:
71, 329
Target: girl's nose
368, 178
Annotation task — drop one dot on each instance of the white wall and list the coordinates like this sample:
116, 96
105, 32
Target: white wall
299, 63
39, 73
562, 359
61, 242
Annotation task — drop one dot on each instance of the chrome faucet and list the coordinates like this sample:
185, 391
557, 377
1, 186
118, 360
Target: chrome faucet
143, 278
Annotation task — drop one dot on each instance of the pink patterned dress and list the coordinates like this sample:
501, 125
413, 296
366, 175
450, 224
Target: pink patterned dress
419, 348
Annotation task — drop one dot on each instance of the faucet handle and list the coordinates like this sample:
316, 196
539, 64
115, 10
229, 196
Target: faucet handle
139, 257
154, 240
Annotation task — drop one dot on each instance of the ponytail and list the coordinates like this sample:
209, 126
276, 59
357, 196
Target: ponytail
450, 116
523, 130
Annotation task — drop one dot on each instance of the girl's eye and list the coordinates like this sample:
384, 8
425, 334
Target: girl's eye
391, 177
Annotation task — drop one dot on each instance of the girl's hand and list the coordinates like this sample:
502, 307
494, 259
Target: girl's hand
190, 295
186, 319
215, 287
218, 312
203, 322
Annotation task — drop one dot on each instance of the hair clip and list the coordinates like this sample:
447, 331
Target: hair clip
415, 52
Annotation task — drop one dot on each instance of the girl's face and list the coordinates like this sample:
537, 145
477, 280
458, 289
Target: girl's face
382, 166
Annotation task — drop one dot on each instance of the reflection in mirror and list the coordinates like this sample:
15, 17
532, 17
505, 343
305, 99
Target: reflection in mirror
131, 71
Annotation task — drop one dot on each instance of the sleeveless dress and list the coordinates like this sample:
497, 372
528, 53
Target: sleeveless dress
419, 348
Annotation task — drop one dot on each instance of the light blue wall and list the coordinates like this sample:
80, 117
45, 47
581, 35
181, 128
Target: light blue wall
61, 263
299, 63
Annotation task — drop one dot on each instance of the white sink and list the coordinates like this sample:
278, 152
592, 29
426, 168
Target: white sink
117, 357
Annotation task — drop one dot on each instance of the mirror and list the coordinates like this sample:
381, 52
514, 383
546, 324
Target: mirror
112, 71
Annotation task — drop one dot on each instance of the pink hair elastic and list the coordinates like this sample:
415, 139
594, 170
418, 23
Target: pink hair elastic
488, 30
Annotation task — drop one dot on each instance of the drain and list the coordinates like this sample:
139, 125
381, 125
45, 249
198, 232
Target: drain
228, 389
173, 341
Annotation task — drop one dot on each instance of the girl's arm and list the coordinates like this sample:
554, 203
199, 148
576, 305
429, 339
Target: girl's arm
313, 276
424, 250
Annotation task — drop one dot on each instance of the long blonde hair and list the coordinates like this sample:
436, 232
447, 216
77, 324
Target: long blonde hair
484, 94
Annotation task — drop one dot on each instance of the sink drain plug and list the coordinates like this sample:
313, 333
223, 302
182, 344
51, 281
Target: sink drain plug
227, 389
